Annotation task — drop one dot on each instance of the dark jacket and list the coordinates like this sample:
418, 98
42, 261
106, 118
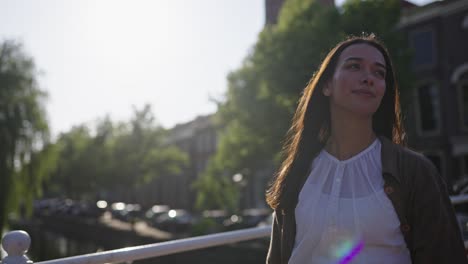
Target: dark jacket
420, 198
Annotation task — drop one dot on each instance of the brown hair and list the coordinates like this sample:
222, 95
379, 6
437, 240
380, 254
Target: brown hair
310, 125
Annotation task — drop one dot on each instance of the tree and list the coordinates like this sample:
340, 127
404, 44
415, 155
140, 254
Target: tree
73, 174
23, 128
117, 158
262, 94
140, 154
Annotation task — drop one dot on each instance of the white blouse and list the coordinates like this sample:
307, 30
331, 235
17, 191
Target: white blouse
344, 216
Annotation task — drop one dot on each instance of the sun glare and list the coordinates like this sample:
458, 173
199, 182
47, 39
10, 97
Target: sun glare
122, 33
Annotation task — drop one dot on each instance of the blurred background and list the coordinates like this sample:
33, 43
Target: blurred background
132, 122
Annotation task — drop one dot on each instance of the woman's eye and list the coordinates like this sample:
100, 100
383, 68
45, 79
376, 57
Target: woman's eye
380, 73
353, 66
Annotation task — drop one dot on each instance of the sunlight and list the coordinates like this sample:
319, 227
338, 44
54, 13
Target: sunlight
121, 33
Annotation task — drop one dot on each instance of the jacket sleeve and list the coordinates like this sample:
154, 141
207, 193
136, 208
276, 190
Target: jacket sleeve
436, 236
274, 250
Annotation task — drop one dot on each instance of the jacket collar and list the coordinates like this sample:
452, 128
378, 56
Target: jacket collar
389, 158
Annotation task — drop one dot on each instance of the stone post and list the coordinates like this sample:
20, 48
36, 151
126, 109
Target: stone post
16, 244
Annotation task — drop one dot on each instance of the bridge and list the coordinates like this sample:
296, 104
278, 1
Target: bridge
16, 244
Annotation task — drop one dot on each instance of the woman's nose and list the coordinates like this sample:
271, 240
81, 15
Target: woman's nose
367, 77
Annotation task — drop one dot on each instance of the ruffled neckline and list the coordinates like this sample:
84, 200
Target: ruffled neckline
353, 158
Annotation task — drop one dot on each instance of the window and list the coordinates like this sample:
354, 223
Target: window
463, 103
465, 164
429, 114
422, 43
465, 22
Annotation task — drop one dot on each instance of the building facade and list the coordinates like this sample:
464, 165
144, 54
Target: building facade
437, 119
198, 139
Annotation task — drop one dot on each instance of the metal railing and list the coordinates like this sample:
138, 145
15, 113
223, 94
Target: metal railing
459, 199
16, 244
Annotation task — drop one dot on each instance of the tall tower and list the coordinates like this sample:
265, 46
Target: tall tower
273, 7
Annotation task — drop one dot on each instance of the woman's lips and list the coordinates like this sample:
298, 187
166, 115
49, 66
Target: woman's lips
363, 92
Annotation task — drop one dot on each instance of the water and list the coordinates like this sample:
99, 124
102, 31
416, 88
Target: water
47, 245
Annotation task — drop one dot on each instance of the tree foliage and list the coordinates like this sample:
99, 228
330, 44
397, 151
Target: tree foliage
262, 94
115, 158
84, 161
23, 129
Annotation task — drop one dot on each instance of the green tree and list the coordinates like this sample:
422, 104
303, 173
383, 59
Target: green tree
73, 174
23, 128
115, 158
262, 94
139, 154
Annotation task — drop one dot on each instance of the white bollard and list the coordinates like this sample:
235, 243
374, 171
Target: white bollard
16, 244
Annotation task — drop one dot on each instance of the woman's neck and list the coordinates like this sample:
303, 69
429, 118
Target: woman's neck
349, 136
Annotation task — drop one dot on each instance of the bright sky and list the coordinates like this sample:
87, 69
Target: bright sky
103, 57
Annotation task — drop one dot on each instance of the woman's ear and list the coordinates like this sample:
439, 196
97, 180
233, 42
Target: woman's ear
326, 90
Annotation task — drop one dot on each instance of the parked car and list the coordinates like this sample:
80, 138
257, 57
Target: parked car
152, 214
460, 186
218, 216
211, 221
175, 221
117, 210
463, 224
45, 207
126, 212
133, 212
248, 218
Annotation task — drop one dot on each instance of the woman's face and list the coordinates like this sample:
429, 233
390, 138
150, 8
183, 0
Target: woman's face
358, 84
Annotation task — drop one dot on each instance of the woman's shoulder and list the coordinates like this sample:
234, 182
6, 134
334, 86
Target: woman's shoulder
409, 155
412, 155
402, 156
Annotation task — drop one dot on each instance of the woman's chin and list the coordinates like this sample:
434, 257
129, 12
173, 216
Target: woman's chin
364, 112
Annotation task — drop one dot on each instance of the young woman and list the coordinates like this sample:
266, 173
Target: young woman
348, 191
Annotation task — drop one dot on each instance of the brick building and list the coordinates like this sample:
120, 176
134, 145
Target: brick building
198, 140
437, 122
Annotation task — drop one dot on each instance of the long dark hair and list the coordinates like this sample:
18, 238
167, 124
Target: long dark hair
310, 127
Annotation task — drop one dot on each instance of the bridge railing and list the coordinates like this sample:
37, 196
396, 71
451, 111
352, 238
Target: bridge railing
16, 244
459, 199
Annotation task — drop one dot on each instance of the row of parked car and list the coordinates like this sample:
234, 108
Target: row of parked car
158, 216
182, 221
179, 220
67, 207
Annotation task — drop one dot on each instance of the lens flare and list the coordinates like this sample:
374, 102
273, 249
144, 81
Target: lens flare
348, 252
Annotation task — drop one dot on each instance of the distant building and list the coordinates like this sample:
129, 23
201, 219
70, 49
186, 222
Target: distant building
272, 9
437, 123
198, 139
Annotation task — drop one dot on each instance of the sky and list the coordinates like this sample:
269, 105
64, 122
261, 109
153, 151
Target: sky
107, 57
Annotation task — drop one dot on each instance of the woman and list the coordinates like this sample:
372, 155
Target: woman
347, 190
